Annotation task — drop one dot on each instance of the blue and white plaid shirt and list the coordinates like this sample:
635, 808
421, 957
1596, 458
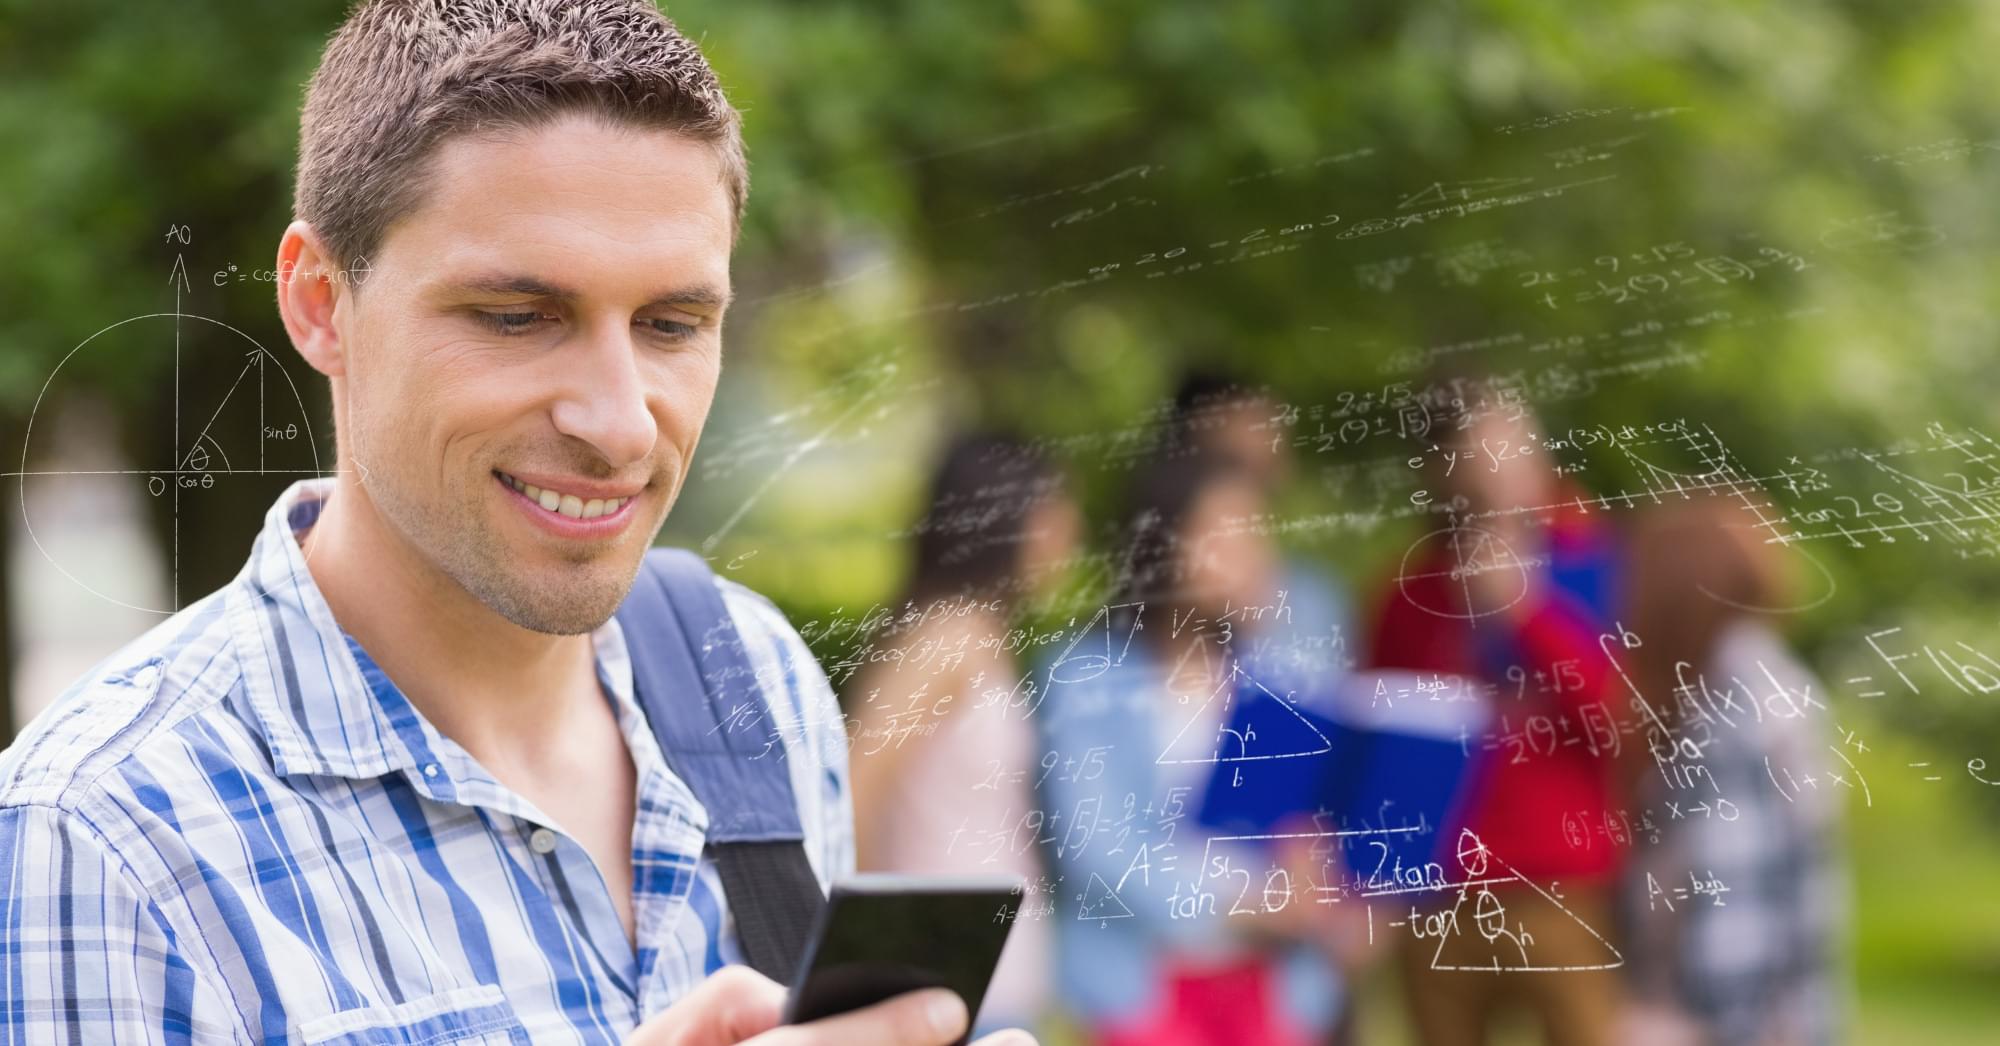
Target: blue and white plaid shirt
236, 829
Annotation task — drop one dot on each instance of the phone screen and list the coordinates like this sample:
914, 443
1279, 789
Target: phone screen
882, 935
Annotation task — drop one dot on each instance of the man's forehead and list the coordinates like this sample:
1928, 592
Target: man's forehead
572, 196
579, 150
641, 219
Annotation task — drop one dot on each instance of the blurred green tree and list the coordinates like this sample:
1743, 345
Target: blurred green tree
1017, 204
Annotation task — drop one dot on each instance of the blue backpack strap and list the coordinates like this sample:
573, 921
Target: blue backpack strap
694, 682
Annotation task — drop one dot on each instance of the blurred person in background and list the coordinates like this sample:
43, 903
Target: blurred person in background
1508, 593
1141, 961
1306, 649
1750, 958
1303, 650
942, 744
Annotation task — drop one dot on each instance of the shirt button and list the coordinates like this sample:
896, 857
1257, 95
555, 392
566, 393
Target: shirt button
542, 841
430, 769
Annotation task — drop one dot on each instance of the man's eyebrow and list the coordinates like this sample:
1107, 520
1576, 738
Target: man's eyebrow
699, 296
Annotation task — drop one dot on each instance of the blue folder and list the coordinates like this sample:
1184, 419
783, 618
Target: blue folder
1398, 751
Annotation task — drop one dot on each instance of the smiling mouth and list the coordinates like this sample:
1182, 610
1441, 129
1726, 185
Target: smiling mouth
559, 503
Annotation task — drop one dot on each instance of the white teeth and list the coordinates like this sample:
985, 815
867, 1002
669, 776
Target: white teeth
567, 504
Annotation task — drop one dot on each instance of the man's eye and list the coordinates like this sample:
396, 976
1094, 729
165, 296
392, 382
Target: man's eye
509, 322
674, 330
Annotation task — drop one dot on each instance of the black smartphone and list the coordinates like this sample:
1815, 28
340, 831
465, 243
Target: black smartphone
881, 935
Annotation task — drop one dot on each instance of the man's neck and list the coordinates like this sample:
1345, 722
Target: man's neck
499, 690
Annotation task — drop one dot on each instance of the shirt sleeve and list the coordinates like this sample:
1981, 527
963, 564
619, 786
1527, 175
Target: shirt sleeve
85, 955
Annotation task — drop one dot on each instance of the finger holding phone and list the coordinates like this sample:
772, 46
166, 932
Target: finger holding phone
738, 1006
893, 960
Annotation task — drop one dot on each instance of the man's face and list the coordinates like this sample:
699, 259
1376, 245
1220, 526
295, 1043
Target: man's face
532, 358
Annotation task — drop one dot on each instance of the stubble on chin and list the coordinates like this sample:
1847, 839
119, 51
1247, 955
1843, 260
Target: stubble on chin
572, 595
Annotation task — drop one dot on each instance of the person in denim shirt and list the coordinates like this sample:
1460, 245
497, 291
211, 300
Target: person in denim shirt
1143, 953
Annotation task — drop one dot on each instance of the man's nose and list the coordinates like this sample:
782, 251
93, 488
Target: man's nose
604, 395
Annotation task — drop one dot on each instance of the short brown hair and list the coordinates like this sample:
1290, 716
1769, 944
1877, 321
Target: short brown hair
402, 75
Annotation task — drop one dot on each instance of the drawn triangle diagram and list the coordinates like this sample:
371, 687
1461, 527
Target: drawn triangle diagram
1480, 921
1487, 554
1101, 902
257, 424
1244, 721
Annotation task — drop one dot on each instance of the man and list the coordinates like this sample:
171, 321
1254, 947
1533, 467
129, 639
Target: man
391, 784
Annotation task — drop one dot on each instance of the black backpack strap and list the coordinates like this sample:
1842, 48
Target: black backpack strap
694, 681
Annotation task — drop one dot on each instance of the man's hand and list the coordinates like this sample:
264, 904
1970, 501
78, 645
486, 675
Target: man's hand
738, 1005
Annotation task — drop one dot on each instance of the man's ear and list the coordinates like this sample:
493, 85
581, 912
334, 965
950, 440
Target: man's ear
310, 284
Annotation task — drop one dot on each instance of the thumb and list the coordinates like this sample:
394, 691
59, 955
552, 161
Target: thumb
733, 1004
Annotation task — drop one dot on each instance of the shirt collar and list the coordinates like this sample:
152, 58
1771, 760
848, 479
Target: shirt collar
322, 704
